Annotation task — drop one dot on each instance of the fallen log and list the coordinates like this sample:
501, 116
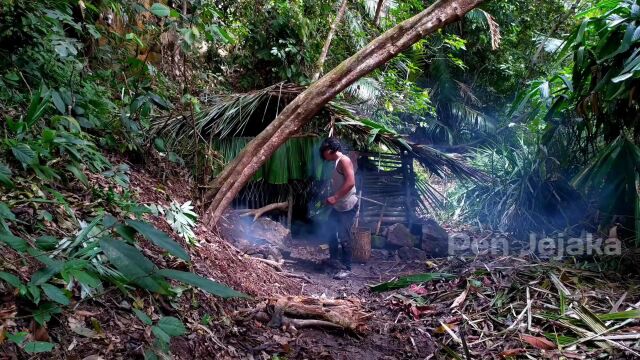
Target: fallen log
306, 311
256, 213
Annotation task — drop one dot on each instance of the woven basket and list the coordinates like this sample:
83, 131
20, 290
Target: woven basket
361, 246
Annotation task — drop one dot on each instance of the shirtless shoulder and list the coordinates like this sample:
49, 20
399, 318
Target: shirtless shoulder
344, 164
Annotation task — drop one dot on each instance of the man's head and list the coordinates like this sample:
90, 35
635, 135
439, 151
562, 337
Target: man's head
329, 149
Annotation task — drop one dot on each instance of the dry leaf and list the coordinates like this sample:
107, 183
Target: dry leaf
93, 357
39, 333
84, 313
441, 330
460, 299
8, 312
513, 352
538, 342
77, 326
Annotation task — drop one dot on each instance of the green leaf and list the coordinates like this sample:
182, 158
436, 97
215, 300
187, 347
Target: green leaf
85, 278
58, 102
5, 212
46, 243
54, 293
18, 337
160, 10
172, 326
43, 313
142, 316
33, 347
159, 238
35, 293
135, 38
43, 275
36, 109
10, 279
411, 279
78, 174
5, 175
623, 315
24, 154
127, 232
133, 265
207, 285
14, 242
160, 334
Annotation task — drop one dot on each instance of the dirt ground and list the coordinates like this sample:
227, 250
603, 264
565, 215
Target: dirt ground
385, 337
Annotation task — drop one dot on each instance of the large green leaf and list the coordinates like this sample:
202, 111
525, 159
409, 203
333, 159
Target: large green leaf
161, 10
24, 153
37, 107
411, 279
85, 278
5, 212
207, 285
172, 326
133, 265
13, 241
10, 279
160, 334
33, 347
142, 316
5, 175
159, 238
54, 293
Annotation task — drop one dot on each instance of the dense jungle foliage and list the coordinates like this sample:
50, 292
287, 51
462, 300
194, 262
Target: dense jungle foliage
540, 95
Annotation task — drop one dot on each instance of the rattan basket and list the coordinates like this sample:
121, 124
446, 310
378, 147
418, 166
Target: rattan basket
361, 246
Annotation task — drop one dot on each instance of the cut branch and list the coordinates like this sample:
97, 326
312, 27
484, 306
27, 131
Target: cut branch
376, 18
327, 42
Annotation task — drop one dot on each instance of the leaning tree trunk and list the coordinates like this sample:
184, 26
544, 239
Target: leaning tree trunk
309, 102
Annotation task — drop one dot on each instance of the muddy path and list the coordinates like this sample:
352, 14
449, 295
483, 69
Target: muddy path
385, 336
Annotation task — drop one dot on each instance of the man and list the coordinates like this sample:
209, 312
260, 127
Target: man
344, 202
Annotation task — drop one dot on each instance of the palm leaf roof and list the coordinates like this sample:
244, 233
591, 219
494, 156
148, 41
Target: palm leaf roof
226, 116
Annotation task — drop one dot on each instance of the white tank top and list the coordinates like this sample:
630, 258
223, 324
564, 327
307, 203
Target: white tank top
348, 201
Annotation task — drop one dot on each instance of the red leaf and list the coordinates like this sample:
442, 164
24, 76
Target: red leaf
512, 352
418, 290
538, 342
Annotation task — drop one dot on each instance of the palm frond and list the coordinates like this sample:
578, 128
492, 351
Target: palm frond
444, 165
223, 115
469, 116
359, 35
612, 177
367, 92
480, 16
550, 44
494, 30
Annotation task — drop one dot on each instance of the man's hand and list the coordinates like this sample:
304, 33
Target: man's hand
332, 200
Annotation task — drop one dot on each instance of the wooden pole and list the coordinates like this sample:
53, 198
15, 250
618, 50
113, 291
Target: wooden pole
290, 210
